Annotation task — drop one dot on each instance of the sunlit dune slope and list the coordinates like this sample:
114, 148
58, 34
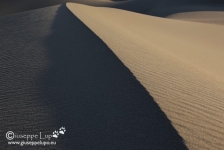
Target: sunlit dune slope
180, 63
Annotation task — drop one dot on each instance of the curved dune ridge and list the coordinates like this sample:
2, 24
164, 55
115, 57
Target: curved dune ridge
55, 72
180, 64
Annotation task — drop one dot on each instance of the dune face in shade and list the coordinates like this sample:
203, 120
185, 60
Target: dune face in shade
161, 8
55, 72
180, 63
216, 17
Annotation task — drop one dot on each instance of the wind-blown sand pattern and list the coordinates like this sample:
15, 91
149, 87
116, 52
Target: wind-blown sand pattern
113, 78
180, 63
55, 72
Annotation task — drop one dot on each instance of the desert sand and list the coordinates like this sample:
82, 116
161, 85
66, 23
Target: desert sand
55, 72
134, 74
180, 63
8, 7
161, 8
211, 17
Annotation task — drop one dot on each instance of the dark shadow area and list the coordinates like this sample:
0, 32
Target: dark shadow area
164, 8
56, 72
96, 97
8, 7
23, 59
161, 8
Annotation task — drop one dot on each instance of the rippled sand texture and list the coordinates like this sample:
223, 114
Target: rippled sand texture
180, 64
55, 72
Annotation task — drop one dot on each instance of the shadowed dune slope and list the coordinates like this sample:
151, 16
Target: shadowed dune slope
160, 8
180, 63
13, 6
56, 72
216, 17
163, 8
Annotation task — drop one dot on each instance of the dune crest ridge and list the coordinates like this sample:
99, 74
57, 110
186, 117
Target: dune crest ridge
180, 63
63, 75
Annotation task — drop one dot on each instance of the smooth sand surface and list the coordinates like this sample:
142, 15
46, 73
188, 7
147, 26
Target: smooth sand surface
180, 63
54, 72
211, 17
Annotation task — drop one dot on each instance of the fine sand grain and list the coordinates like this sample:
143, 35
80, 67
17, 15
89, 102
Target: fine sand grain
180, 63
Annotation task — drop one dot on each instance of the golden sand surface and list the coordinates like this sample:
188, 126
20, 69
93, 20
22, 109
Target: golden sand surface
180, 64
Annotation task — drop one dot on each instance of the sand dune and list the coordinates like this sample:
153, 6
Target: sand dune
180, 63
160, 8
13, 6
164, 8
55, 72
216, 17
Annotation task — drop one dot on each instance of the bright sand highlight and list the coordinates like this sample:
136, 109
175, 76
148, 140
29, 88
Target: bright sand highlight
180, 63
